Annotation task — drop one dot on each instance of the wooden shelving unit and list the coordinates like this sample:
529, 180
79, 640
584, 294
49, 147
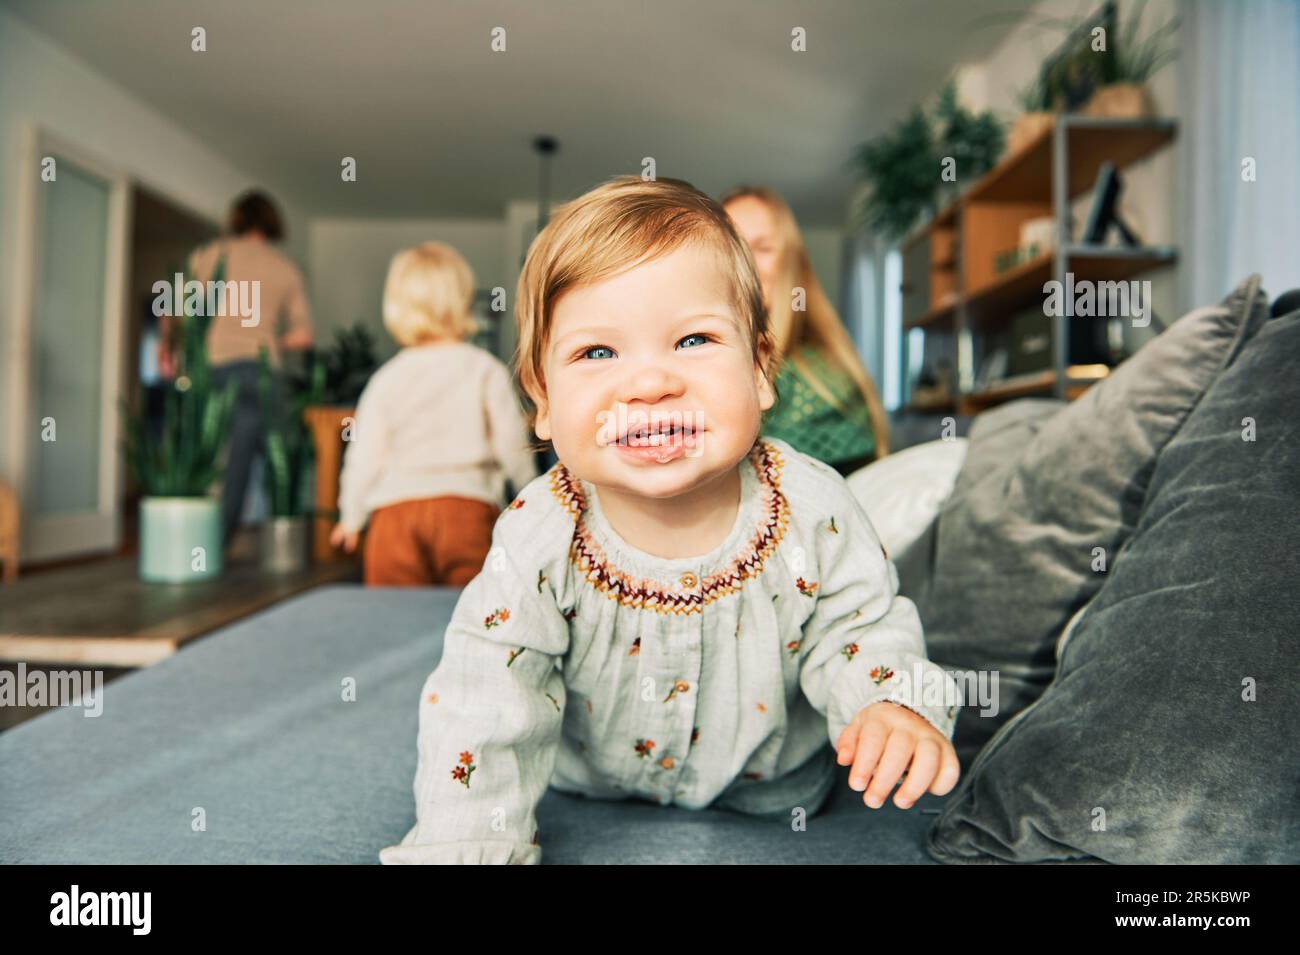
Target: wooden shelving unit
951, 286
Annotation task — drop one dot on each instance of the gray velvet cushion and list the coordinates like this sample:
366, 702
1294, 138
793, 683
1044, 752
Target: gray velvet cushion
1150, 725
1014, 549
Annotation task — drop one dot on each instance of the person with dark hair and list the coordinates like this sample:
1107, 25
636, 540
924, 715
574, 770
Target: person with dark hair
266, 307
255, 211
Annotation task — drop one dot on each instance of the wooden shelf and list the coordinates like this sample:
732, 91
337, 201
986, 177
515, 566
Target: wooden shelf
992, 305
964, 239
930, 407
937, 318
1027, 175
1078, 380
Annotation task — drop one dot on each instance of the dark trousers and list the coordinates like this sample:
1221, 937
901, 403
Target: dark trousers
247, 436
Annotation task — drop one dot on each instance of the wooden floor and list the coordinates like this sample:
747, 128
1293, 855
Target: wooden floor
102, 614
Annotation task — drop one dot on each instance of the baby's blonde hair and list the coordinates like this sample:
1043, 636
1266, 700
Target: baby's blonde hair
428, 294
625, 221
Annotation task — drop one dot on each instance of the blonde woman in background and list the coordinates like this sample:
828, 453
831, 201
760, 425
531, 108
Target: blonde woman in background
438, 430
827, 405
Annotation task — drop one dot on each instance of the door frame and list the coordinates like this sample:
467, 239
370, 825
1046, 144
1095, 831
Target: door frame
100, 530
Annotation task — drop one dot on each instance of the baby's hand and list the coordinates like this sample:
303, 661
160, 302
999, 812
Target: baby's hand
342, 537
890, 740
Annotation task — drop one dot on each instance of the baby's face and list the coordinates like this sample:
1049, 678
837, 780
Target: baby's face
659, 344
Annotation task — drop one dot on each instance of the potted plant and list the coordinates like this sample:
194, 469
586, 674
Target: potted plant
902, 167
1128, 67
1039, 108
285, 532
348, 362
175, 466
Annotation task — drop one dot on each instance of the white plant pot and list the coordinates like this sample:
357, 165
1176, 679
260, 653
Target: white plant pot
180, 539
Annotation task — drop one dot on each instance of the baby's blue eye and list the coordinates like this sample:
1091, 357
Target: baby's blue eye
587, 353
695, 335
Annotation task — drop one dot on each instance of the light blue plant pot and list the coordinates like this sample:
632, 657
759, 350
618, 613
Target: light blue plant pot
180, 539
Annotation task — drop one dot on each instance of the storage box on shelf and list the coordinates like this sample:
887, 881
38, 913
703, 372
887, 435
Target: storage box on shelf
954, 290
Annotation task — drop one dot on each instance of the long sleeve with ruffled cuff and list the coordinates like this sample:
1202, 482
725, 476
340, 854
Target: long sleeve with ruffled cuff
490, 716
864, 642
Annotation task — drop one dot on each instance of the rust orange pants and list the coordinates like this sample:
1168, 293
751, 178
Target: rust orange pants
433, 541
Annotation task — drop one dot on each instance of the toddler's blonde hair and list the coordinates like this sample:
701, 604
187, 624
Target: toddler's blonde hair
625, 221
428, 294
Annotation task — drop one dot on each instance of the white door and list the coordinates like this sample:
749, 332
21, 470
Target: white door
71, 277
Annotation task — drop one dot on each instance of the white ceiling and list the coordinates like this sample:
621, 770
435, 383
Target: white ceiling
441, 126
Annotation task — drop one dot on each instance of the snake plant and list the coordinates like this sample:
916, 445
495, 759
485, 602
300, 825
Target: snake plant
288, 442
181, 458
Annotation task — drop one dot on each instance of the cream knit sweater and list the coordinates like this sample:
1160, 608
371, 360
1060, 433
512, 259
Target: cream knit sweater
434, 420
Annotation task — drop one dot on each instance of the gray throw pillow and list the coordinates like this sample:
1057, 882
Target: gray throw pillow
1021, 545
1169, 734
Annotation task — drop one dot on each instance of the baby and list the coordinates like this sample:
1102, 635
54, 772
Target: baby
679, 610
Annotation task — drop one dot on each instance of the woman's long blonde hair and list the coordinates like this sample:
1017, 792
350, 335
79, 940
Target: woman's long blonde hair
819, 324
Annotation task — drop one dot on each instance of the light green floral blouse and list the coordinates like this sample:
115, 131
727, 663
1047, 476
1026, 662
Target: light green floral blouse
576, 661
836, 433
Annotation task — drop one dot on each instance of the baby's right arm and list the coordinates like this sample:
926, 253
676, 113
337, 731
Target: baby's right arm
490, 718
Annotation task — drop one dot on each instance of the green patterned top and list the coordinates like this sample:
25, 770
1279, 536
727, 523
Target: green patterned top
812, 425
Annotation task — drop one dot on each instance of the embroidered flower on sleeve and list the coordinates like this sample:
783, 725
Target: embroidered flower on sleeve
850, 651
832, 528
644, 746
463, 771
541, 579
762, 708
807, 588
695, 734
794, 645
514, 655
554, 701
636, 647
496, 617
431, 698
680, 686
516, 504
879, 674
570, 613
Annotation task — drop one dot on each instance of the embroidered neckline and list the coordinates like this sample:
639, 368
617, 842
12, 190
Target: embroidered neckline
687, 594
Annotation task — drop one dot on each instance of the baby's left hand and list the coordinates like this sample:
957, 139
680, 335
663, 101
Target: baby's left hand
889, 740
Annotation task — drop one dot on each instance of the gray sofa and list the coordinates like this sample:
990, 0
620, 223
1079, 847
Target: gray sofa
248, 726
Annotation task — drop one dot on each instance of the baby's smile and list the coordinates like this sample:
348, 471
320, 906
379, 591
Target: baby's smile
655, 436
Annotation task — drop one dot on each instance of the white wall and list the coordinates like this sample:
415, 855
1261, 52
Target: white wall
348, 262
42, 84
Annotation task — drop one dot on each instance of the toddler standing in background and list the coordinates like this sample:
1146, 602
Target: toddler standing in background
679, 610
437, 431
